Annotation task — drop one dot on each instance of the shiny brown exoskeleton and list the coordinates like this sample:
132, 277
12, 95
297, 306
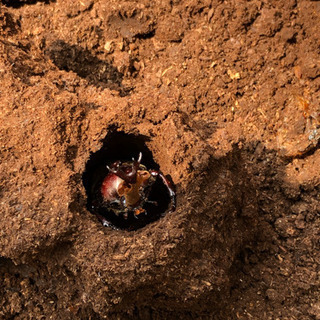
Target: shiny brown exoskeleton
126, 188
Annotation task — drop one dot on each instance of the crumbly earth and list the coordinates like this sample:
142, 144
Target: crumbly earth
225, 95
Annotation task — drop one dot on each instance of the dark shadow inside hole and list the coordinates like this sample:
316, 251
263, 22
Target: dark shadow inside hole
20, 3
122, 146
81, 61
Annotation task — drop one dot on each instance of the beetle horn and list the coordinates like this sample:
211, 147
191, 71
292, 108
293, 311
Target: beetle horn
139, 158
135, 167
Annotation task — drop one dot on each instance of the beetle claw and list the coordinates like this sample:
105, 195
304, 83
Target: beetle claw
106, 223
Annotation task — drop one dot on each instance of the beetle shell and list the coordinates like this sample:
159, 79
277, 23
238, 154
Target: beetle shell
121, 195
110, 187
127, 194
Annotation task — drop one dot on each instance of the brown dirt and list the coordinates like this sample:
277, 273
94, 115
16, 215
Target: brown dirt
225, 94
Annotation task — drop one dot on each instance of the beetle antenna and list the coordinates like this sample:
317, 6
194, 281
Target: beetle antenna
135, 166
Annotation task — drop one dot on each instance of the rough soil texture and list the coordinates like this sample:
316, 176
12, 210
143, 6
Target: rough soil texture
225, 97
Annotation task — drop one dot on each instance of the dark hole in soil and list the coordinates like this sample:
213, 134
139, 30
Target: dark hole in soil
123, 147
20, 3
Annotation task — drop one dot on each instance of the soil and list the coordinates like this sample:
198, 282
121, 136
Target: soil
222, 96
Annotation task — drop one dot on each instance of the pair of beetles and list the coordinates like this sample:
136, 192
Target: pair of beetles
126, 188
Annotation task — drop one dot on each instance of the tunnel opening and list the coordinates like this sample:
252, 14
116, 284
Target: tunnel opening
123, 147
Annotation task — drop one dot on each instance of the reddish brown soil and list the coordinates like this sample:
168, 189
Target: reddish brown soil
225, 94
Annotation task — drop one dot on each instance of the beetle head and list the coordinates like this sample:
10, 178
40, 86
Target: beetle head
126, 171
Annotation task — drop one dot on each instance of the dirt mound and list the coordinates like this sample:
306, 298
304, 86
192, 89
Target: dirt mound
222, 97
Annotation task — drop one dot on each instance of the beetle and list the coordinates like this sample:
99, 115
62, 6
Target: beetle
126, 187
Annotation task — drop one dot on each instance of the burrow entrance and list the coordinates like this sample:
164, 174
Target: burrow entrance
122, 146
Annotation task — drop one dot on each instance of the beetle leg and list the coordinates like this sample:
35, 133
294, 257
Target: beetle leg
123, 204
125, 215
169, 187
138, 211
105, 222
152, 202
